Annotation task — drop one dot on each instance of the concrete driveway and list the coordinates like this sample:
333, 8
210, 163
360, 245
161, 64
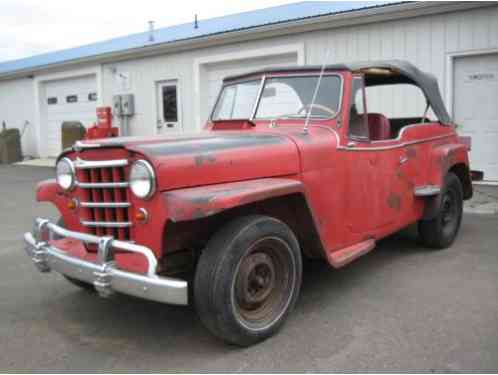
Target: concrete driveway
401, 307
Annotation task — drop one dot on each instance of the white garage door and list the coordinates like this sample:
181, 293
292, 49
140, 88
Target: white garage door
216, 72
475, 109
73, 99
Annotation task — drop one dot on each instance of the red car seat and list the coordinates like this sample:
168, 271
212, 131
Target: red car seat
379, 127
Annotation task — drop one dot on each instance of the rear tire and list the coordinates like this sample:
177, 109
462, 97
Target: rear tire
248, 279
441, 231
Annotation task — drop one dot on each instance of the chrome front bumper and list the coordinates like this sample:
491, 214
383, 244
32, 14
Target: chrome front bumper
103, 274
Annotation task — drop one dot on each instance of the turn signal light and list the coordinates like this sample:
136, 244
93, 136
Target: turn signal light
72, 204
141, 215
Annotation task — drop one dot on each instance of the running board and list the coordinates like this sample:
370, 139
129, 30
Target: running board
346, 255
427, 191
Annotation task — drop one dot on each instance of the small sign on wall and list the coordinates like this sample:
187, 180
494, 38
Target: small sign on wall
488, 76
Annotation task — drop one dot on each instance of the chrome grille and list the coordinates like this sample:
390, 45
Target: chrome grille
104, 199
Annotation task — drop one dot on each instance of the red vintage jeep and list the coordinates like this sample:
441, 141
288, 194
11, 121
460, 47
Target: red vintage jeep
291, 165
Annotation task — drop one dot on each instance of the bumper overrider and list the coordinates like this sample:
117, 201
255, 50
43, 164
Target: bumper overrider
103, 274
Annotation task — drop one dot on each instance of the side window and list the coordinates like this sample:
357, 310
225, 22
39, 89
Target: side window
358, 127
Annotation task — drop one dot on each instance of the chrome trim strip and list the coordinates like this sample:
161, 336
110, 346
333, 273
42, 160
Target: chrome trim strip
103, 274
258, 97
106, 224
88, 164
105, 204
102, 185
427, 191
393, 146
79, 145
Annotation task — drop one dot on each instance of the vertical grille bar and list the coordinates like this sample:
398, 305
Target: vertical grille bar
97, 197
120, 195
108, 196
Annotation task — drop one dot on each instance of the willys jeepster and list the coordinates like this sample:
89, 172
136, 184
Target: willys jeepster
290, 164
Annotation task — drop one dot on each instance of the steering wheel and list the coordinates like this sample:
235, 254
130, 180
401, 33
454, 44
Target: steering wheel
319, 106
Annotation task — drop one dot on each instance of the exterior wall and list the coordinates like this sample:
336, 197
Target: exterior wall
428, 42
17, 106
425, 41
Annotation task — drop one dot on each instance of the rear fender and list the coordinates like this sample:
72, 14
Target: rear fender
200, 202
444, 157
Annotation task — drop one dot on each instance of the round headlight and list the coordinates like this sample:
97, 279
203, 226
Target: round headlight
142, 179
65, 174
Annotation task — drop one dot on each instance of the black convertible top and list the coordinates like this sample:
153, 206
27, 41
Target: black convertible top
386, 72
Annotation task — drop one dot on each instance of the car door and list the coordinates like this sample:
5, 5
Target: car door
373, 203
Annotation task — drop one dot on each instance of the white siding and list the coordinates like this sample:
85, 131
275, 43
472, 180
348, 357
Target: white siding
16, 107
424, 41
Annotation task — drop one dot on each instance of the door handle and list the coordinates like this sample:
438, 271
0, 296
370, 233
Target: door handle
403, 159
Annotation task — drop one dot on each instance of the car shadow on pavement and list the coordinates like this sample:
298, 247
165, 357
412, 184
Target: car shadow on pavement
124, 324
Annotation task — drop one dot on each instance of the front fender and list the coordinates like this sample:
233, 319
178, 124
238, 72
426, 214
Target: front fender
47, 191
50, 191
199, 202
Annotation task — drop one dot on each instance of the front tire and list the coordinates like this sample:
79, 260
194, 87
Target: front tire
248, 279
440, 232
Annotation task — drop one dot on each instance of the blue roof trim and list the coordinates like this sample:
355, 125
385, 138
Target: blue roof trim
212, 26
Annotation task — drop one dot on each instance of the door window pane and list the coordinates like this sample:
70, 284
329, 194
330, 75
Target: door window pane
170, 105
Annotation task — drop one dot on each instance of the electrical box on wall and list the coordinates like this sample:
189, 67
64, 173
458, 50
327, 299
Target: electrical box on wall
123, 105
117, 109
127, 105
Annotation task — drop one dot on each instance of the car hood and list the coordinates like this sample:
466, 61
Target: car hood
213, 157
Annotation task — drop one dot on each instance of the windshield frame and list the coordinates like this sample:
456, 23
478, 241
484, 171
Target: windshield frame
235, 82
263, 79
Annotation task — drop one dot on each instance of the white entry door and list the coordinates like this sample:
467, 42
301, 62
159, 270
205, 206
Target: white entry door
475, 109
168, 108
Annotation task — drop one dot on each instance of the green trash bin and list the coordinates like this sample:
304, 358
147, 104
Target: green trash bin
10, 146
71, 132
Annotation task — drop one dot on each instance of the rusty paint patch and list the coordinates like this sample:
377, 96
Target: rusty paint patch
394, 201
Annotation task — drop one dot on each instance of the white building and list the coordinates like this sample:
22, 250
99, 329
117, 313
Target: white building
174, 73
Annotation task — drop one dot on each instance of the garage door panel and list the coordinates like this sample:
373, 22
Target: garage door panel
475, 109
82, 110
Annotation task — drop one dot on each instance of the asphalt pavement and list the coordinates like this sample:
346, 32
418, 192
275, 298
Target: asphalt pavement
399, 308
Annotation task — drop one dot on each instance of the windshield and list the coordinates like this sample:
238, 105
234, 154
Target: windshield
237, 101
281, 97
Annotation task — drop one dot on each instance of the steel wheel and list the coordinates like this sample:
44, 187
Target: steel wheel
247, 280
441, 231
264, 283
449, 213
